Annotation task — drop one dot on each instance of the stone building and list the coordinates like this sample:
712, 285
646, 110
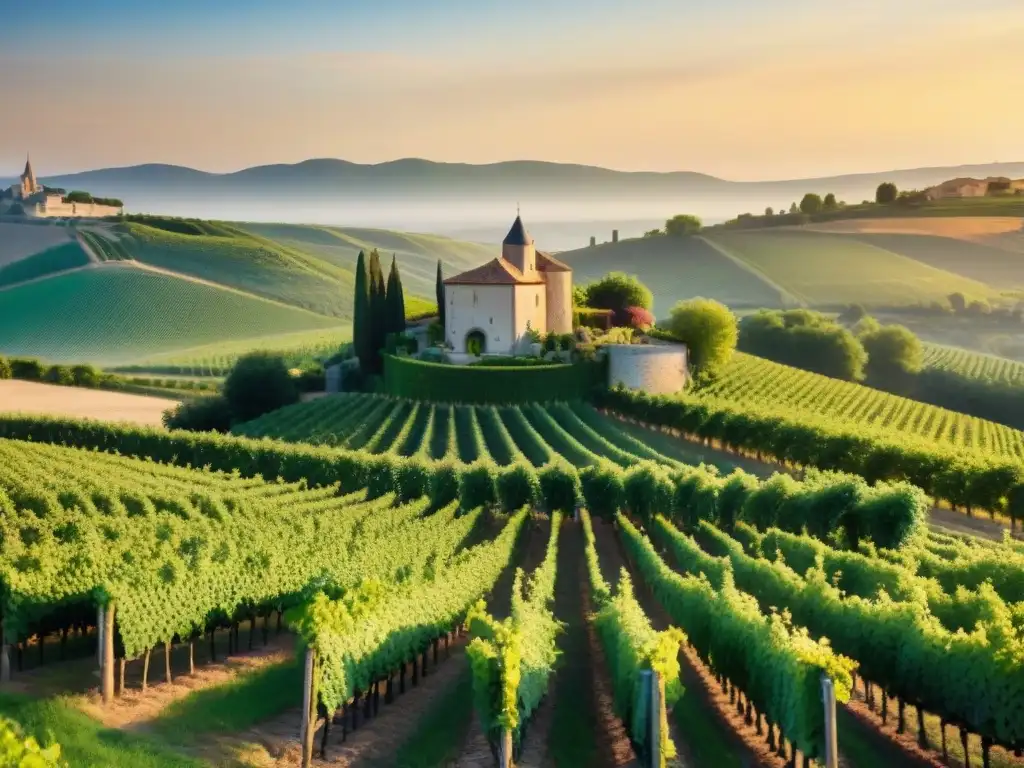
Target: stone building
33, 200
489, 309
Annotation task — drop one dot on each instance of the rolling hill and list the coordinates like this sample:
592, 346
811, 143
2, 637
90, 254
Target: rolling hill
119, 313
678, 268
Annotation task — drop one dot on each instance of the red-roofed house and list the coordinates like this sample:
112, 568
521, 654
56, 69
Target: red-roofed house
488, 309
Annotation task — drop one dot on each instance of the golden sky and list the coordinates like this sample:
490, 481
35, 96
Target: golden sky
775, 90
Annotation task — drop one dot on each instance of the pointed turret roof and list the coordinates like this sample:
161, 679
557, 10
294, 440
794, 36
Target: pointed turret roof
29, 173
518, 234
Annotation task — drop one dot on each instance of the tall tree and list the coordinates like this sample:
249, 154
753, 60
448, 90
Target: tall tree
396, 299
378, 310
439, 292
361, 319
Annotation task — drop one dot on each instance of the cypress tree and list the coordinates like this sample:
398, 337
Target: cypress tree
361, 320
378, 310
396, 298
439, 291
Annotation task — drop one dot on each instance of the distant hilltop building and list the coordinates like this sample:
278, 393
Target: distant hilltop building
30, 199
491, 309
958, 188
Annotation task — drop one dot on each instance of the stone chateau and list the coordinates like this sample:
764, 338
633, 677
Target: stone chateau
32, 200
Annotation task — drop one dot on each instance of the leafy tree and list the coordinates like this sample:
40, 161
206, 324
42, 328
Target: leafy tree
361, 320
852, 314
811, 204
683, 224
958, 302
886, 193
639, 318
395, 300
259, 383
653, 233
769, 211
617, 291
378, 311
793, 208
439, 293
709, 331
579, 296
892, 350
830, 203
204, 414
5, 368
804, 339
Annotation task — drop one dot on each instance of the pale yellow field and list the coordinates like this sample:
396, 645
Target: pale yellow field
51, 400
972, 228
20, 240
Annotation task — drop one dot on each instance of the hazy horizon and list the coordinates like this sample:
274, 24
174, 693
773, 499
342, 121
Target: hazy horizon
735, 89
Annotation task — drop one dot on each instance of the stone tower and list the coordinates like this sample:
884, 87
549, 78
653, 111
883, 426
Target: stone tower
518, 249
29, 184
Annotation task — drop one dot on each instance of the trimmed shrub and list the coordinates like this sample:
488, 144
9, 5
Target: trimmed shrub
477, 485
5, 368
518, 486
59, 374
444, 484
204, 414
560, 486
382, 475
436, 382
27, 369
86, 376
647, 490
734, 494
412, 478
257, 384
603, 491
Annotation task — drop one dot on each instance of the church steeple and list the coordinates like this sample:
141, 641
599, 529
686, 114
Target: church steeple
518, 248
29, 185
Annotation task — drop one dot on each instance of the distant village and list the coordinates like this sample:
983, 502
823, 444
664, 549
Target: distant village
31, 200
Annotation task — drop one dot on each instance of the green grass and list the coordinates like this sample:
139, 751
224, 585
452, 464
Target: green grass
48, 262
234, 706
248, 263
829, 270
440, 733
117, 314
675, 269
86, 743
106, 248
993, 266
417, 254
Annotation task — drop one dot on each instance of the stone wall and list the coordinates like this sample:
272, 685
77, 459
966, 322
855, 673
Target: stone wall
656, 368
50, 210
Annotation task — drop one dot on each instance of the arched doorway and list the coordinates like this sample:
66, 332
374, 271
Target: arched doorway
476, 342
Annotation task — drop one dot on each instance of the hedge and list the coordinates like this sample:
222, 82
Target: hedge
962, 479
824, 502
437, 382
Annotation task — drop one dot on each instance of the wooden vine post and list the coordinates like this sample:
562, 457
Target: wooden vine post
106, 632
828, 695
309, 709
505, 749
5, 654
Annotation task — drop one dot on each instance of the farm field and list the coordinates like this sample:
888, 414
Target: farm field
417, 253
230, 551
753, 380
989, 264
676, 269
52, 400
974, 365
506, 435
18, 241
827, 270
59, 258
117, 314
965, 228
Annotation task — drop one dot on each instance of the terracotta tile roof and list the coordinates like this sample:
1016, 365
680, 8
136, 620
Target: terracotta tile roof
495, 272
548, 263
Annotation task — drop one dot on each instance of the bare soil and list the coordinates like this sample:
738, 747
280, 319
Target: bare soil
76, 402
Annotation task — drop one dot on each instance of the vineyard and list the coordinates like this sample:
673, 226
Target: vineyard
974, 365
534, 434
48, 262
385, 548
761, 382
